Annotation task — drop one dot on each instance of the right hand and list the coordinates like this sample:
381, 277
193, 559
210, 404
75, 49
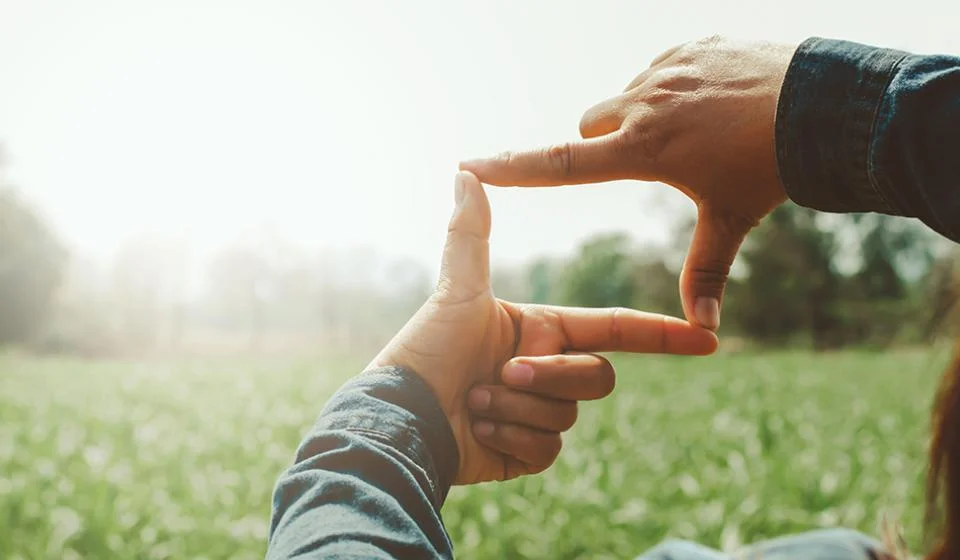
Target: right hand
700, 118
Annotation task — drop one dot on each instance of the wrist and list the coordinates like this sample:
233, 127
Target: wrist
393, 356
395, 403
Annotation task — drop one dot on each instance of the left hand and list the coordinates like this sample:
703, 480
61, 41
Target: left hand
463, 337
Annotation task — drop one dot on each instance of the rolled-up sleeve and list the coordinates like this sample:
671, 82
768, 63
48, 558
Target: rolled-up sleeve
370, 477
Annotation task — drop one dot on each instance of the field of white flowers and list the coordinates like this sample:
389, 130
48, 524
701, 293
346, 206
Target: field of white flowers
114, 460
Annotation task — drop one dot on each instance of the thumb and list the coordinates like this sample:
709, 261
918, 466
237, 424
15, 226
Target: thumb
716, 239
465, 269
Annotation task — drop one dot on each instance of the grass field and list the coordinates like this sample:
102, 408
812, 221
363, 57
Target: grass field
107, 460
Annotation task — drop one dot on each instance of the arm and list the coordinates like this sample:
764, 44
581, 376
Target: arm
863, 129
371, 476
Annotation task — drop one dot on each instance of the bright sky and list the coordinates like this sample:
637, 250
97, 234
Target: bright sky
341, 123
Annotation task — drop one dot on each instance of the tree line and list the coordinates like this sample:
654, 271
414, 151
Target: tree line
801, 279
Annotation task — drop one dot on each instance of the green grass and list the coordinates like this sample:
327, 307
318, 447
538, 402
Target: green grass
108, 460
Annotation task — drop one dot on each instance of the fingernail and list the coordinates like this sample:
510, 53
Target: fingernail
483, 428
707, 312
460, 189
478, 399
515, 373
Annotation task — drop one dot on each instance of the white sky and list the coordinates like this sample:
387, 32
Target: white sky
341, 123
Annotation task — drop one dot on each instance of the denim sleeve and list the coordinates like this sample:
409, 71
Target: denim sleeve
864, 129
824, 544
370, 477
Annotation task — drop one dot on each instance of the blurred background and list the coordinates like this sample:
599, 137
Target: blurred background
213, 212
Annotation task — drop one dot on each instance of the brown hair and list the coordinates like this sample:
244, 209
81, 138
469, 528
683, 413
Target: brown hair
943, 477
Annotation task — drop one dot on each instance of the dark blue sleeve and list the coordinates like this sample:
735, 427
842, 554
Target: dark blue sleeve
864, 129
370, 477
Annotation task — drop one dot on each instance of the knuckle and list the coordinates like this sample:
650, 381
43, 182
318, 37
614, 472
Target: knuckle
495, 406
646, 140
710, 41
693, 50
660, 96
561, 158
712, 273
671, 82
616, 332
705, 44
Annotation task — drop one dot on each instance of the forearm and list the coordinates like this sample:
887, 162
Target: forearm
371, 476
862, 129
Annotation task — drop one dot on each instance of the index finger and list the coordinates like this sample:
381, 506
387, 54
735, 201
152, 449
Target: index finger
628, 330
595, 160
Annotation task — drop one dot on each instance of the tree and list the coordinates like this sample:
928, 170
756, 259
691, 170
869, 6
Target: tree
656, 285
32, 262
602, 274
792, 287
538, 276
891, 249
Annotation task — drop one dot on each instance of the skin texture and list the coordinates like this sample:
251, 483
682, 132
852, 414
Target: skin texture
701, 119
532, 361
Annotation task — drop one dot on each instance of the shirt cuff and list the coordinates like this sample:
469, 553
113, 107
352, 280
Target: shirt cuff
825, 119
395, 404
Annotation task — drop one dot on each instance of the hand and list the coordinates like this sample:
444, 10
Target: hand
700, 118
463, 336
523, 418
